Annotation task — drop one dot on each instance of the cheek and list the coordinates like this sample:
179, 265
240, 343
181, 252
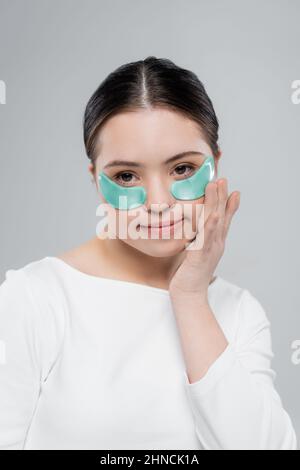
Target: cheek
129, 220
126, 222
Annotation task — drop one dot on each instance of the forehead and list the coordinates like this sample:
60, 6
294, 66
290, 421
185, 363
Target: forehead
147, 136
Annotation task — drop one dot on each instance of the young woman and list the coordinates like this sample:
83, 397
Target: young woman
133, 342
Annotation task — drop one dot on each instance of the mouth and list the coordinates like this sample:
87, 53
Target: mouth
161, 225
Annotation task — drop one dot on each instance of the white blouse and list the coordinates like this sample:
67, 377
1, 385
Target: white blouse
96, 363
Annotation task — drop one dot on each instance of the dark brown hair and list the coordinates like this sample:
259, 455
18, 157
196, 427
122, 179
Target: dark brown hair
147, 83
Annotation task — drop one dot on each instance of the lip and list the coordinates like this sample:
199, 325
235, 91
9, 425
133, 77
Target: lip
162, 224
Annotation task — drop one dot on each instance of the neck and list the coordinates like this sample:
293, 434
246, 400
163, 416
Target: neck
139, 266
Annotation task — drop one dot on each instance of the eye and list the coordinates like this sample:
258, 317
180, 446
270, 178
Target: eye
181, 169
124, 178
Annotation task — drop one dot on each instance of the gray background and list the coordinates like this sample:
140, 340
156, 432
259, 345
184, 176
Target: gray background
53, 55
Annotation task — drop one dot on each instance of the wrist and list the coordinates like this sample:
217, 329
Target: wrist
179, 296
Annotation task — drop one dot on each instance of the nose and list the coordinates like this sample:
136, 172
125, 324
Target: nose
159, 196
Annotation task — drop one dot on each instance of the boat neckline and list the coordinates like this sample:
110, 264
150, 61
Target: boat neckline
118, 281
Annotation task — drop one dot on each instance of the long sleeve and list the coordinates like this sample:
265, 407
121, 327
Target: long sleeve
235, 405
28, 345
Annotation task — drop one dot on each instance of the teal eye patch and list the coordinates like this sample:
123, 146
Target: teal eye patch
126, 198
120, 197
194, 186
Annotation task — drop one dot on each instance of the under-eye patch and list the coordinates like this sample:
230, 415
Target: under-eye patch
126, 198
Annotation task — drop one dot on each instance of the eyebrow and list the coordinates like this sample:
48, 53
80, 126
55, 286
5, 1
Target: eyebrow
140, 165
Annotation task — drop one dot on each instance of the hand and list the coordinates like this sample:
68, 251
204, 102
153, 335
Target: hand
195, 272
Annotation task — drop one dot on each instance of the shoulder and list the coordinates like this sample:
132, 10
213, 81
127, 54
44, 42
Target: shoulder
38, 277
21, 279
238, 310
31, 306
32, 316
37, 281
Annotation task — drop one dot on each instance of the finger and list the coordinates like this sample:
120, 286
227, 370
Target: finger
222, 201
204, 239
231, 208
209, 205
210, 199
210, 230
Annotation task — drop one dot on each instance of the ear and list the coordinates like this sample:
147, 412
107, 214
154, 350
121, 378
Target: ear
91, 169
217, 159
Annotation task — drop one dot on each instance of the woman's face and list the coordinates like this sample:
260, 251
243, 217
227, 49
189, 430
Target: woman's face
148, 138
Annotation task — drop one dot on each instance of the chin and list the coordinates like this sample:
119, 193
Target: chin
159, 248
